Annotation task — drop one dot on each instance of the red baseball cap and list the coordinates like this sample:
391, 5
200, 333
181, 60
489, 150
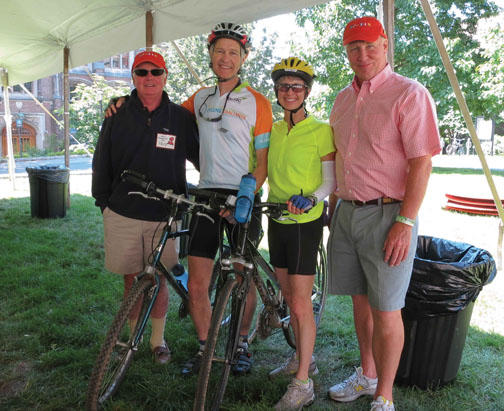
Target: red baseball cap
366, 29
149, 57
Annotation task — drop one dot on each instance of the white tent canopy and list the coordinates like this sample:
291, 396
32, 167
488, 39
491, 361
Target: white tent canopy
33, 33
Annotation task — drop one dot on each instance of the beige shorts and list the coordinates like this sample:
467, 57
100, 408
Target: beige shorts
129, 243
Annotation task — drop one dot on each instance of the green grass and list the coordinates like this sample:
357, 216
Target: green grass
56, 302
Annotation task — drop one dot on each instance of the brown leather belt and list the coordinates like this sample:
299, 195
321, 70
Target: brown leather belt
376, 201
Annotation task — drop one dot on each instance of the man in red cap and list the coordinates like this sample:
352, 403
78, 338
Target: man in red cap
154, 137
385, 131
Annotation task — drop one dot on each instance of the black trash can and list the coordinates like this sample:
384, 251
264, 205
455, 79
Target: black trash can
446, 280
48, 191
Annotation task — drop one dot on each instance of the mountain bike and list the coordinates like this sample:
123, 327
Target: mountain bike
120, 345
238, 269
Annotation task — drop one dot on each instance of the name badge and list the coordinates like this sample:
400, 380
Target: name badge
166, 141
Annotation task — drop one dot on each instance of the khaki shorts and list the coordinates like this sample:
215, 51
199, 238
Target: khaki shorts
355, 255
129, 243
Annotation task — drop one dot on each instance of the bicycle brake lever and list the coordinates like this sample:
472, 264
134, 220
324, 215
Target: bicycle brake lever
143, 195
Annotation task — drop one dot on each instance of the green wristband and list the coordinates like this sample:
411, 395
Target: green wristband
405, 220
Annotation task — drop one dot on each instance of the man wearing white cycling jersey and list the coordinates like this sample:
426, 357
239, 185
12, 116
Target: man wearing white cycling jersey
234, 123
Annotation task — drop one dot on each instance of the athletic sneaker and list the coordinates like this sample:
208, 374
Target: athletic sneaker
381, 404
353, 387
245, 361
290, 367
298, 395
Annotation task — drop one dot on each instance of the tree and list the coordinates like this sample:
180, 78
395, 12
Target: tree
491, 69
415, 55
87, 106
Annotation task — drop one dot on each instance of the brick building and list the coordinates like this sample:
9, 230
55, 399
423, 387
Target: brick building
31, 125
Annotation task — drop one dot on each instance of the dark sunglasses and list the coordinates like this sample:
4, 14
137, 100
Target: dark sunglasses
296, 88
143, 72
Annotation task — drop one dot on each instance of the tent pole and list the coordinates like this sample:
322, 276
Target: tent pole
149, 24
463, 108
388, 22
66, 113
8, 126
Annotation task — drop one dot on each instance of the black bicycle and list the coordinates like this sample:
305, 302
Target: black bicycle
120, 345
238, 269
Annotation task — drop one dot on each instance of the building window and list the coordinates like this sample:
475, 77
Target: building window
17, 88
125, 60
116, 62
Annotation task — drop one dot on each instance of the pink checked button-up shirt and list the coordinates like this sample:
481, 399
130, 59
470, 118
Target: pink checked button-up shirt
377, 128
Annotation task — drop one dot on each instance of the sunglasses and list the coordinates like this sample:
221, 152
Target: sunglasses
143, 72
296, 88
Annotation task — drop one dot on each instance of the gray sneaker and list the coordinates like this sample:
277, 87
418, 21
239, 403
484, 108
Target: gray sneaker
290, 367
381, 404
298, 395
353, 387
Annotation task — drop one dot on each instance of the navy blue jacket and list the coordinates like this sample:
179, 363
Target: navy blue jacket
155, 143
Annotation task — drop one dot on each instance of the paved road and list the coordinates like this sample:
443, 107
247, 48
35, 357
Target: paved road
79, 163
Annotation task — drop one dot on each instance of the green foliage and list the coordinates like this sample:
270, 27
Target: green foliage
479, 65
491, 69
87, 106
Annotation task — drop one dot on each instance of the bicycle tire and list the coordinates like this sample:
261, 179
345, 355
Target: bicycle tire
219, 350
115, 356
319, 295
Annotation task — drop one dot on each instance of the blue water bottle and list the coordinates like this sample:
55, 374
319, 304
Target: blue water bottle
181, 275
245, 198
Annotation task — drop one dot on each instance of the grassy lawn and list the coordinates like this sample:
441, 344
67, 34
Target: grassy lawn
56, 302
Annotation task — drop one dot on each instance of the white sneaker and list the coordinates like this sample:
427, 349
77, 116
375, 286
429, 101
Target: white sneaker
298, 395
290, 367
353, 387
381, 404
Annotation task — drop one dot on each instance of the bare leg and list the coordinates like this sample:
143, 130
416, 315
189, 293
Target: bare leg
200, 271
302, 315
388, 341
363, 320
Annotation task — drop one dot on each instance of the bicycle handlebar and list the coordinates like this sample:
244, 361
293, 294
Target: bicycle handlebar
217, 201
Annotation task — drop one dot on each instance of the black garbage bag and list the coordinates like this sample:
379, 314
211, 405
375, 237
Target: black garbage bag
447, 276
48, 190
52, 174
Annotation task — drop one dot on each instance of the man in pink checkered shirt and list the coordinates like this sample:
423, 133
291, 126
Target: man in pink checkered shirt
385, 131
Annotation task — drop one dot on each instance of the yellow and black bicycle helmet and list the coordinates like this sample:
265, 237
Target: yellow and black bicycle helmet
293, 66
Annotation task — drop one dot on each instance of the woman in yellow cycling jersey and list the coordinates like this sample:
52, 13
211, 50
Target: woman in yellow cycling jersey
301, 173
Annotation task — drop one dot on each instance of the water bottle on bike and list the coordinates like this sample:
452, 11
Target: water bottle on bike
245, 198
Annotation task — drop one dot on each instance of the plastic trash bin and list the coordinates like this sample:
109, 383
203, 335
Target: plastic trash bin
48, 191
446, 280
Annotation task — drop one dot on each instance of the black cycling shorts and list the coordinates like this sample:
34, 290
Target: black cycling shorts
205, 235
294, 246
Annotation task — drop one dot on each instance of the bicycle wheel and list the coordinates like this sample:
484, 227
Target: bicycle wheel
319, 294
117, 351
220, 348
